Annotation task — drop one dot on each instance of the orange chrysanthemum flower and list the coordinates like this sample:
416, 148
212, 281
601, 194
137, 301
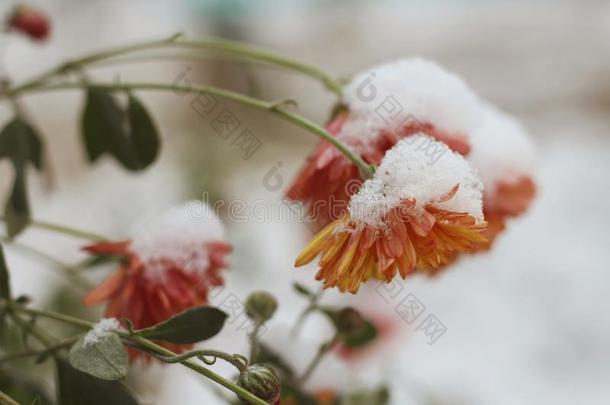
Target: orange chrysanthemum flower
411, 213
411, 96
168, 267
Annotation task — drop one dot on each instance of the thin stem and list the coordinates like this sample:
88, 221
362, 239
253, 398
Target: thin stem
214, 44
254, 342
71, 272
313, 304
39, 334
6, 400
322, 350
235, 360
147, 345
50, 349
66, 230
54, 315
274, 108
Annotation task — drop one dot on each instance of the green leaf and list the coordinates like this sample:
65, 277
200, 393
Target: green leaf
17, 384
293, 394
102, 124
130, 136
190, 326
266, 355
5, 290
380, 396
143, 133
105, 359
301, 289
21, 144
362, 337
78, 388
17, 208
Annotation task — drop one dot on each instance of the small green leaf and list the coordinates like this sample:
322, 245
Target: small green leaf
362, 337
102, 123
105, 359
78, 388
266, 355
5, 290
143, 133
301, 289
17, 208
21, 144
380, 396
129, 135
190, 326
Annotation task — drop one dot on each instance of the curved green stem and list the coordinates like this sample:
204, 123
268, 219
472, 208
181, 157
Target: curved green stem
66, 230
322, 350
274, 108
311, 306
211, 44
48, 350
146, 345
235, 361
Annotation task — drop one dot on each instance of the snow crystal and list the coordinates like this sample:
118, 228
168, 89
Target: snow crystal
101, 329
386, 96
179, 236
422, 169
501, 149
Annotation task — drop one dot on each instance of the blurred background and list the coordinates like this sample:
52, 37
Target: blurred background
526, 323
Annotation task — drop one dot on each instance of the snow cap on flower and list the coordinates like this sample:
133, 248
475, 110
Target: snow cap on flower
412, 88
502, 151
178, 236
415, 213
380, 107
407, 173
170, 266
101, 330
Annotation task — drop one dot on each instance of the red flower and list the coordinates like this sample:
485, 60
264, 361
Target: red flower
150, 286
409, 214
30, 21
427, 97
328, 179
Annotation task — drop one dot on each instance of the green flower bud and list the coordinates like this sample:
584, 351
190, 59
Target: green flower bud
349, 321
260, 306
262, 381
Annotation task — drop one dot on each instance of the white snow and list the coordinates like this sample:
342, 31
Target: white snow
422, 169
101, 329
386, 95
501, 149
178, 236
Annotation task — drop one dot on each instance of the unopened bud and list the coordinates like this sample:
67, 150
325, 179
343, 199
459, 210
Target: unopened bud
349, 321
260, 306
262, 381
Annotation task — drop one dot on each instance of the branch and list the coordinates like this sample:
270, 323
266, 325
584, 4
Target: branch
211, 44
143, 344
274, 108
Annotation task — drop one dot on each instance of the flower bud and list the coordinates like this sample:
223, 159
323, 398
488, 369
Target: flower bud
262, 381
30, 21
349, 321
260, 306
